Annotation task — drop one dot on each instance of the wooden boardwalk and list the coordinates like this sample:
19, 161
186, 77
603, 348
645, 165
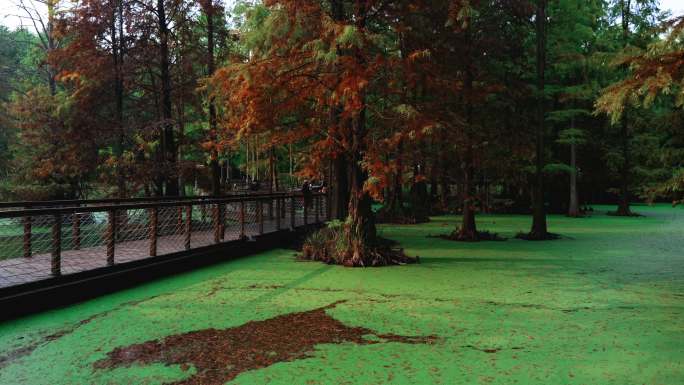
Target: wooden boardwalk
21, 270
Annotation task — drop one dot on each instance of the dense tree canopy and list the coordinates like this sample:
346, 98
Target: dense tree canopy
424, 106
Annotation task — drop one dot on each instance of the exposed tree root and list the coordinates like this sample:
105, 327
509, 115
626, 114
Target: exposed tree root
330, 245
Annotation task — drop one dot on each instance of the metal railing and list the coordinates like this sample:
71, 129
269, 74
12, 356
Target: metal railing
26, 205
44, 240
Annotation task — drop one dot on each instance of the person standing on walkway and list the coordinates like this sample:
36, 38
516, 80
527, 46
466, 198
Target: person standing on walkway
306, 192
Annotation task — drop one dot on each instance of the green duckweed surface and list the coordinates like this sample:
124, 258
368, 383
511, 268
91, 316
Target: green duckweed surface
604, 305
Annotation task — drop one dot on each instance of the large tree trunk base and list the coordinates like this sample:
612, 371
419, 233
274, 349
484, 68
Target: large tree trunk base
579, 213
329, 246
623, 211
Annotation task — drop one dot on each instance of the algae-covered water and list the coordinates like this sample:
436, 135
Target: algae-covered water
604, 305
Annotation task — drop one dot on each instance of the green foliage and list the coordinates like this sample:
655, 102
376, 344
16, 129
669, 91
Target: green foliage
572, 136
557, 168
350, 37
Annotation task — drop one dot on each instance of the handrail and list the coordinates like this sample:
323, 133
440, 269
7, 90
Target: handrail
133, 206
79, 202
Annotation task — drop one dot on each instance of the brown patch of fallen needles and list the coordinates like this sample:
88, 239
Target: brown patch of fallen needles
221, 355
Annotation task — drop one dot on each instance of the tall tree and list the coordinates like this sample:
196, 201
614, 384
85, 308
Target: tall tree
539, 228
311, 77
168, 141
209, 12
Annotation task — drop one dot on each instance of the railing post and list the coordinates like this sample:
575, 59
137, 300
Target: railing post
292, 212
260, 214
317, 207
305, 210
270, 208
328, 209
111, 237
217, 224
76, 231
283, 207
154, 225
277, 213
27, 237
242, 219
56, 263
188, 226
222, 220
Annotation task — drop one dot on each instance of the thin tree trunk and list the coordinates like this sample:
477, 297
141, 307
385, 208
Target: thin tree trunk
273, 170
468, 229
181, 140
51, 45
624, 208
168, 141
214, 169
117, 56
573, 210
539, 227
257, 156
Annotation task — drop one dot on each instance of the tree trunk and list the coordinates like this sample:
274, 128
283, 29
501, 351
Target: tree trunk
273, 170
362, 235
539, 227
361, 232
340, 189
624, 208
168, 141
214, 169
51, 45
420, 199
180, 111
394, 206
468, 229
117, 56
434, 183
445, 191
573, 210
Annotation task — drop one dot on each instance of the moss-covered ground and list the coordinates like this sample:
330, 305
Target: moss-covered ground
604, 305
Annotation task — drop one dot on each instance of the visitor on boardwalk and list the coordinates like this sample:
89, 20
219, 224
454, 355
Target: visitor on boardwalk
306, 191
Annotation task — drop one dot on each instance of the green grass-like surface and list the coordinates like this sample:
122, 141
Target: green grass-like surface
604, 305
